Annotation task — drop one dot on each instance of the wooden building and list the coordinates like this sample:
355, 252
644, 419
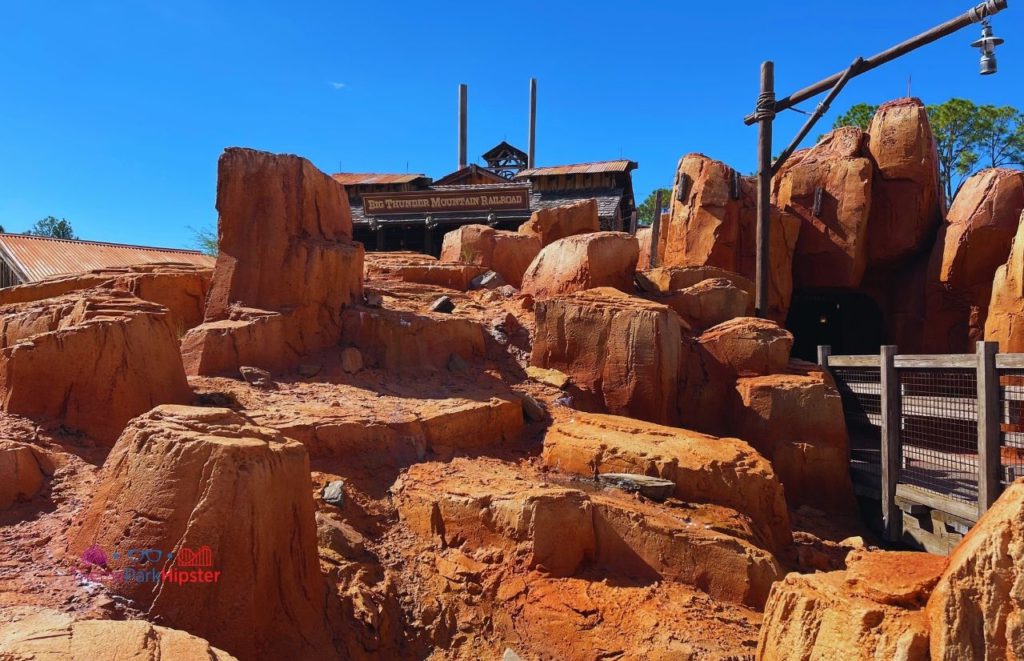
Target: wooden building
413, 212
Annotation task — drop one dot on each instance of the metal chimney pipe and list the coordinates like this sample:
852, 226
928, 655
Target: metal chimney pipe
463, 123
530, 160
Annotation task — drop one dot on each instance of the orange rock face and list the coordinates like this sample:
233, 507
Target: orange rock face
747, 345
598, 259
507, 253
21, 472
870, 611
281, 210
90, 361
712, 222
54, 635
1005, 321
707, 303
908, 200
181, 288
421, 269
977, 603
797, 423
550, 225
622, 352
719, 471
643, 236
831, 250
973, 243
673, 278
182, 477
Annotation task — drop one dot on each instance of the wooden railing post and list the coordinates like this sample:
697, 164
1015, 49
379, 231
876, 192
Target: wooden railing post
824, 351
989, 417
890, 441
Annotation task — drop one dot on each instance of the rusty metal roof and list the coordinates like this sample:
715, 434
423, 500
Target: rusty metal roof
367, 178
580, 168
36, 257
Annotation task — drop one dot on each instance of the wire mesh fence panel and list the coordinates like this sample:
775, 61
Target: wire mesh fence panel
939, 431
861, 391
1011, 424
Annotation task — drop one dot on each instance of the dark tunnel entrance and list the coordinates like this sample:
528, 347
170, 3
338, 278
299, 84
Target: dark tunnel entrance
850, 322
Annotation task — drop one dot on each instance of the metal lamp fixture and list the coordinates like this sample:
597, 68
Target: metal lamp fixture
374, 224
987, 44
492, 220
430, 222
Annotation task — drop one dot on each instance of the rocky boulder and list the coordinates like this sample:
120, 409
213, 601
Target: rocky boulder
55, 636
1005, 321
552, 224
279, 210
829, 187
978, 603
90, 360
973, 243
872, 610
506, 253
747, 346
421, 269
907, 202
21, 472
712, 222
797, 423
598, 259
707, 303
226, 496
621, 352
720, 471
667, 279
644, 236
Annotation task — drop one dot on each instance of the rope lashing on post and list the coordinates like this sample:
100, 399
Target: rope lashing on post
983, 11
765, 106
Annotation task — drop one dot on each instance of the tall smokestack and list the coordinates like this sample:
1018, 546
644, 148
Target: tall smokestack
463, 127
530, 161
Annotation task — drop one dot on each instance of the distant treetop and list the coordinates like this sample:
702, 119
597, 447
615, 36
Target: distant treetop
58, 228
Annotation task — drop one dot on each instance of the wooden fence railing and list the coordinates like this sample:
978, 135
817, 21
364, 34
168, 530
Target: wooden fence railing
948, 430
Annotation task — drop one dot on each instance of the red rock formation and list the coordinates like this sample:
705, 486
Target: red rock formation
183, 477
712, 222
420, 269
872, 610
285, 247
507, 253
90, 361
622, 352
405, 342
1005, 321
907, 202
21, 472
831, 250
973, 243
673, 278
707, 303
747, 346
598, 259
977, 604
550, 225
643, 236
54, 635
181, 288
797, 423
720, 471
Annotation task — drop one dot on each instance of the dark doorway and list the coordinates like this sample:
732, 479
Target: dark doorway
850, 322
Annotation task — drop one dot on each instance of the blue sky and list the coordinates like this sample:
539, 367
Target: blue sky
113, 114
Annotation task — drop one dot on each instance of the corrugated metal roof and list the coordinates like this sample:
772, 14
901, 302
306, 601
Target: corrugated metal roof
38, 257
366, 178
580, 168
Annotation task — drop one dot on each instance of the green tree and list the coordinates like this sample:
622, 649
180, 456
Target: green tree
859, 115
645, 212
955, 125
58, 228
204, 240
999, 133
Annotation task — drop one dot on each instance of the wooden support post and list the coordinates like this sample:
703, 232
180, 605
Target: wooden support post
531, 154
766, 104
989, 417
380, 238
655, 230
824, 351
428, 239
891, 414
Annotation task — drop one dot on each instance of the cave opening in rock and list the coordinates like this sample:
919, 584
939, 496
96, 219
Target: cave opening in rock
849, 321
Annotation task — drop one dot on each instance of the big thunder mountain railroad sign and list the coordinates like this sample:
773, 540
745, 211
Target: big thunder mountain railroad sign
421, 202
